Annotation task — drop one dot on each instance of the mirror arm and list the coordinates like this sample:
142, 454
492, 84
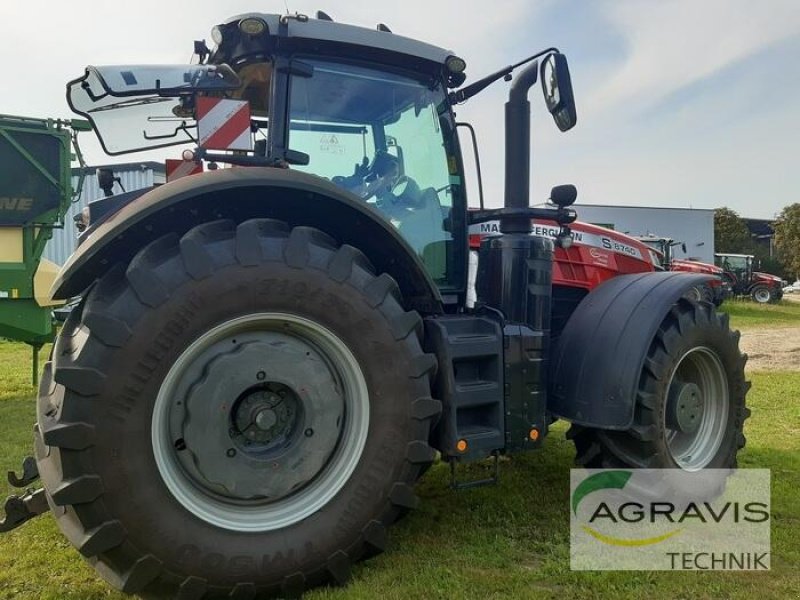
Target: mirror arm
464, 94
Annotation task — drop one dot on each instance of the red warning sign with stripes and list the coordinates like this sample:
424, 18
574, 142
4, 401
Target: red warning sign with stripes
223, 124
177, 168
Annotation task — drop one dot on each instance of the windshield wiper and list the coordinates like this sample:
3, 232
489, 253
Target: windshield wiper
128, 103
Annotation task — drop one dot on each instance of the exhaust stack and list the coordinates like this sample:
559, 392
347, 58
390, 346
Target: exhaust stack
518, 150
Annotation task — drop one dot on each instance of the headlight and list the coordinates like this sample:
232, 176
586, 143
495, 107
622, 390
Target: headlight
83, 219
455, 64
252, 26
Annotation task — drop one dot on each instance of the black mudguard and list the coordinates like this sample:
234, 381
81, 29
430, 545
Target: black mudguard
240, 194
600, 354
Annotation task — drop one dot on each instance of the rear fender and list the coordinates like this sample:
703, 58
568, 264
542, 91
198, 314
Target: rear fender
241, 194
600, 354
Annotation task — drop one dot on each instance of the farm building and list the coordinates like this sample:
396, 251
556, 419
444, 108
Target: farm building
132, 176
692, 226
763, 233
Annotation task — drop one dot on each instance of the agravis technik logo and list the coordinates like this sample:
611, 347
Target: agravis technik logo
605, 481
655, 519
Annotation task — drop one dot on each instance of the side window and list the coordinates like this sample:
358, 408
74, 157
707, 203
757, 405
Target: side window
378, 135
417, 133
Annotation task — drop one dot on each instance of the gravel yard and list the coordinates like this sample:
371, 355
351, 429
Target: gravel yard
772, 349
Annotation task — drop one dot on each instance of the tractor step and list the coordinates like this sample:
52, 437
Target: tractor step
470, 384
30, 473
465, 485
20, 509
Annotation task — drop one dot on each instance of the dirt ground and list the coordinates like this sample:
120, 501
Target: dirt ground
772, 349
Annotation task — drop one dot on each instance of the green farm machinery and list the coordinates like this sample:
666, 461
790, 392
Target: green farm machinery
35, 193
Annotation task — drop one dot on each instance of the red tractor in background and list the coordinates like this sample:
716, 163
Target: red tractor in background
716, 290
592, 256
597, 254
738, 271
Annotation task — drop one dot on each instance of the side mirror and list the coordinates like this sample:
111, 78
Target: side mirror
105, 180
557, 88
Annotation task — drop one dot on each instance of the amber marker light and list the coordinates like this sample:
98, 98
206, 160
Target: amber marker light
461, 445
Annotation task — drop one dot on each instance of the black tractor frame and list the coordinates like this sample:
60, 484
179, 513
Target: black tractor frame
226, 267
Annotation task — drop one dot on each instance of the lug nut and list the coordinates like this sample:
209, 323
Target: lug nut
231, 452
260, 375
309, 432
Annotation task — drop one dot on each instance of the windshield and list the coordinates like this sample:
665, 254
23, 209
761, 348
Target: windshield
139, 107
664, 251
733, 263
383, 137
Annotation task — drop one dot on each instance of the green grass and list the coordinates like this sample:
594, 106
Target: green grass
506, 541
745, 313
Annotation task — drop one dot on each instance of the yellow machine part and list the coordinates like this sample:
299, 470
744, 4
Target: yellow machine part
43, 281
11, 245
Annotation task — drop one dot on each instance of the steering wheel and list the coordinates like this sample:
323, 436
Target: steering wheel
406, 192
400, 184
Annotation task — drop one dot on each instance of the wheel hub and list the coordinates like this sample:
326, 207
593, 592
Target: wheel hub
245, 415
684, 407
265, 415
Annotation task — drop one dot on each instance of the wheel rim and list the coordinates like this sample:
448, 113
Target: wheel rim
260, 422
696, 411
761, 295
695, 294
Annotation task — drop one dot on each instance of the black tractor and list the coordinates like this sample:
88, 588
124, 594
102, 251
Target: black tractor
264, 359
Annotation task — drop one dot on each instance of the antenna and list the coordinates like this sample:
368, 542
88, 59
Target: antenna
286, 4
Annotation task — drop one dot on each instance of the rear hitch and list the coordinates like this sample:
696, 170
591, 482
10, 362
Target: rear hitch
20, 509
30, 473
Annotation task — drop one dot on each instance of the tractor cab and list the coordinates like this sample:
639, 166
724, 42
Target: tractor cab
369, 111
663, 246
739, 267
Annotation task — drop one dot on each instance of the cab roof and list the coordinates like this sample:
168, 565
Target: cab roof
320, 35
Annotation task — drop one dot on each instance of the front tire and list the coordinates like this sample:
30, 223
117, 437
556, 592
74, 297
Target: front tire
240, 412
690, 405
762, 295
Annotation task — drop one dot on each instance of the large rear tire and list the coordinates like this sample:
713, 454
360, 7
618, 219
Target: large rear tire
240, 412
690, 405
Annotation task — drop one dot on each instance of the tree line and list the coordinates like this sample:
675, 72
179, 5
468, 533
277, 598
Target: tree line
731, 235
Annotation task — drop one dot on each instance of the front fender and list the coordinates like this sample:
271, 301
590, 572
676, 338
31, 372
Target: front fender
600, 353
240, 194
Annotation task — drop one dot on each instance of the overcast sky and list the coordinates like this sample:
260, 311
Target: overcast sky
680, 102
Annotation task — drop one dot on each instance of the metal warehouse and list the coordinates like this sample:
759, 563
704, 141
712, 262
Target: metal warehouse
132, 176
692, 226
